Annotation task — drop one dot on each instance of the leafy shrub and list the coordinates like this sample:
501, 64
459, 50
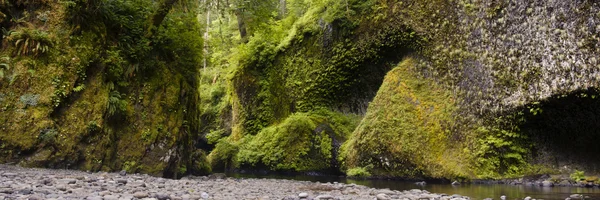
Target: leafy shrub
116, 105
358, 172
500, 153
577, 175
224, 155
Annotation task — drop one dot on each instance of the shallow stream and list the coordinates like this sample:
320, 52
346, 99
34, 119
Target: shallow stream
475, 191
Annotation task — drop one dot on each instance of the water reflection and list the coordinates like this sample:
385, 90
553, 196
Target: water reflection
475, 191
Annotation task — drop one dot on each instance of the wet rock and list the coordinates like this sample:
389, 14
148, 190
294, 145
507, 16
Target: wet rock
421, 183
455, 183
576, 196
547, 184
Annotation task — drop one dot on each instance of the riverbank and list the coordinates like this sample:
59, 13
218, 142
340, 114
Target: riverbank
25, 183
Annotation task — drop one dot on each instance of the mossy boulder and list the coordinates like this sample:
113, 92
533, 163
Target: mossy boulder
302, 142
406, 131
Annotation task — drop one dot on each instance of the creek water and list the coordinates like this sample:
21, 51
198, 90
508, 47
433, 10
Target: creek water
475, 191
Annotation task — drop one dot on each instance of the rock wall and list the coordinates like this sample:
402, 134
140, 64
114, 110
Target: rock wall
82, 102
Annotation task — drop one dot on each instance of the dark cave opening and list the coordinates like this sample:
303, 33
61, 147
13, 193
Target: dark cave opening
565, 130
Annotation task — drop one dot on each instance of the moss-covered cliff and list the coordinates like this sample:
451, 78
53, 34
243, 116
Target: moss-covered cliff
83, 86
461, 105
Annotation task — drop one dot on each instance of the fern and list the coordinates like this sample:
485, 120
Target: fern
29, 42
115, 104
4, 66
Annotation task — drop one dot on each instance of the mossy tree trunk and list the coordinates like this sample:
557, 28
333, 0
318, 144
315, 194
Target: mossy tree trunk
239, 13
159, 16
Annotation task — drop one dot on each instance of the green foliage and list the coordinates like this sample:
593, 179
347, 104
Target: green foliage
359, 172
4, 66
48, 136
289, 146
30, 42
577, 175
500, 153
224, 155
302, 142
130, 166
116, 104
93, 126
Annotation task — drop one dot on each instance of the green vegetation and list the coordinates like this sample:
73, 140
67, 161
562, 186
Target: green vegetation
386, 88
405, 132
577, 176
358, 172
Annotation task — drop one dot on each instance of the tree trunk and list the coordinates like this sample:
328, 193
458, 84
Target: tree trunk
282, 8
158, 17
206, 35
239, 13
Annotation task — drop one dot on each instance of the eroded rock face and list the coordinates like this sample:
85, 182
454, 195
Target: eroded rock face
505, 54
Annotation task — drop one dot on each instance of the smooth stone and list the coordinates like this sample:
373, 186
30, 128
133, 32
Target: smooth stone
527, 198
123, 173
25, 191
140, 195
455, 183
93, 198
123, 181
8, 174
547, 184
111, 197
162, 196
303, 195
204, 195
382, 197
36, 197
70, 181
325, 196
576, 196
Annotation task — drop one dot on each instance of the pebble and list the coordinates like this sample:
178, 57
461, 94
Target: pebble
383, 197
323, 197
303, 195
204, 195
140, 195
162, 196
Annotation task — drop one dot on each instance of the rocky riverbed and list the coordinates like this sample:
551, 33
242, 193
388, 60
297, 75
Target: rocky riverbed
34, 184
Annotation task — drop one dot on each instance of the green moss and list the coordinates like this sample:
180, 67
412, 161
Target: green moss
406, 131
359, 172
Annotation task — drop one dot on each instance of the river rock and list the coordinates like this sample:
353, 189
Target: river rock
547, 184
382, 197
324, 197
162, 196
455, 183
140, 195
576, 196
303, 195
204, 195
